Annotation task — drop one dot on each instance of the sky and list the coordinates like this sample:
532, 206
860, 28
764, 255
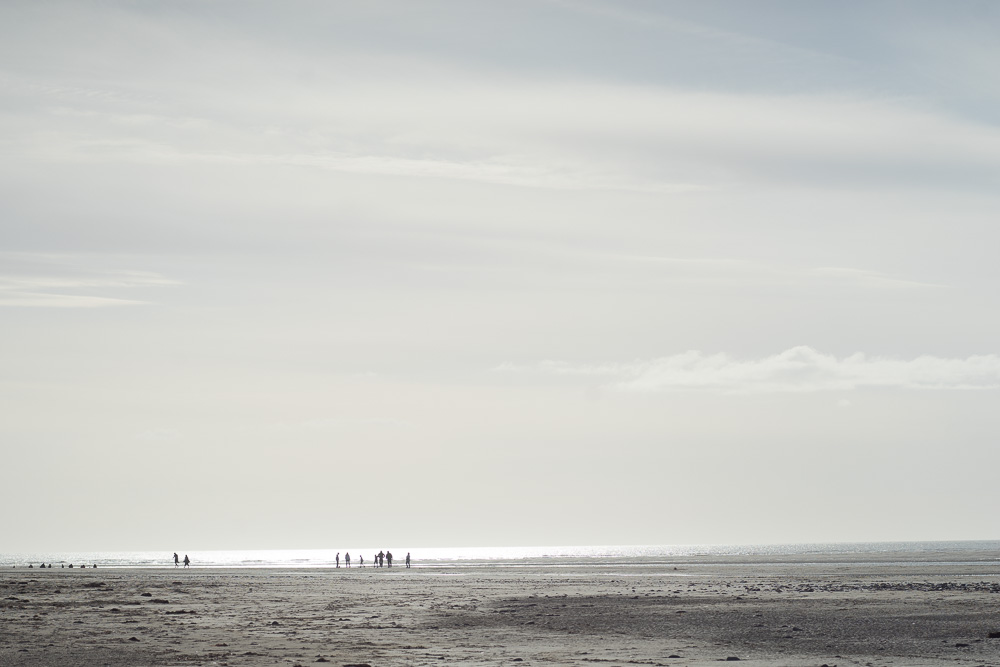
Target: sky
310, 274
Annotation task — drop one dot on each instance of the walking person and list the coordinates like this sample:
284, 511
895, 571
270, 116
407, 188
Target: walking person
388, 557
380, 558
177, 561
338, 559
407, 559
347, 559
187, 561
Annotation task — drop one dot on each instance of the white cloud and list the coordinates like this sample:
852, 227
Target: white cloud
57, 281
559, 135
503, 170
667, 24
18, 299
739, 271
799, 369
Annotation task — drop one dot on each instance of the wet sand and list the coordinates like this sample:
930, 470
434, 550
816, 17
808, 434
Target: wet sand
691, 613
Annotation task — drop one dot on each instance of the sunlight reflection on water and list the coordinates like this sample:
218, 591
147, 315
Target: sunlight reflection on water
596, 557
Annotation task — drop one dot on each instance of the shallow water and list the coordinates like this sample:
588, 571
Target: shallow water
596, 557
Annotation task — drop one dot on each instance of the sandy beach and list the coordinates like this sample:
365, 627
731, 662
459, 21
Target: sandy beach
689, 613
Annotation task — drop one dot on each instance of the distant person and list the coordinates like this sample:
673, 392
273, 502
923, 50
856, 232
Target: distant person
187, 561
347, 559
361, 561
407, 559
177, 561
388, 558
380, 558
71, 565
338, 559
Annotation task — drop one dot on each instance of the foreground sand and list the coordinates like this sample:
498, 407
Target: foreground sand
697, 614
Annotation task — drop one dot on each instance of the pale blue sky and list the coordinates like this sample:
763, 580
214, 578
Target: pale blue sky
305, 274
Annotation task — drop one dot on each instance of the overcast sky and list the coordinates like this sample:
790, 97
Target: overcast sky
532, 272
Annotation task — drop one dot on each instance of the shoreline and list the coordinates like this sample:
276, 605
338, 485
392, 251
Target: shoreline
861, 553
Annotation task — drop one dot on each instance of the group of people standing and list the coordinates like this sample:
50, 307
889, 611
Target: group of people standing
382, 559
187, 561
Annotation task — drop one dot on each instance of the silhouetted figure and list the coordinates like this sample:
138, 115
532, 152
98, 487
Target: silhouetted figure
187, 561
30, 566
338, 559
407, 559
361, 560
347, 559
388, 558
177, 561
71, 565
380, 558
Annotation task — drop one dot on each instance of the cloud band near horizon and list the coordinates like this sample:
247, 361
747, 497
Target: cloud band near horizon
798, 369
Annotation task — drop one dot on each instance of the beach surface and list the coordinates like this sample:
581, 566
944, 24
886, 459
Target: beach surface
694, 612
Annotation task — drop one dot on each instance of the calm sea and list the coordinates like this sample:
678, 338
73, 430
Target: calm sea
545, 557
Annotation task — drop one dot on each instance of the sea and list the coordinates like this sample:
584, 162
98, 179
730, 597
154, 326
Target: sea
599, 557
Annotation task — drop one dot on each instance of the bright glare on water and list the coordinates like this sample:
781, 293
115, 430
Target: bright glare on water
470, 557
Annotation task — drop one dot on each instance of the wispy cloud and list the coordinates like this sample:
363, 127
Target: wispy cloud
54, 281
799, 369
564, 136
19, 299
666, 23
502, 170
740, 271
